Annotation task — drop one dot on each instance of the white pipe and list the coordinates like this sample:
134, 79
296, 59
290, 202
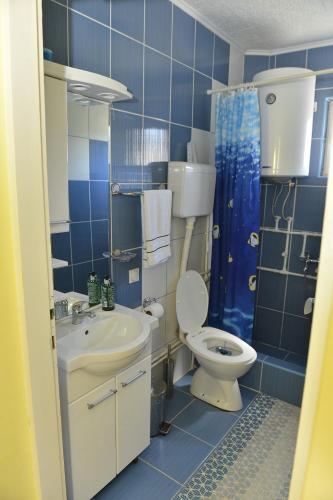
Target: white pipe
273, 81
190, 221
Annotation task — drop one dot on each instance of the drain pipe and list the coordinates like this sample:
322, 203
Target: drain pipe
190, 221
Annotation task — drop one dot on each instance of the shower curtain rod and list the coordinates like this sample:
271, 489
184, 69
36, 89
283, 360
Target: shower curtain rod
263, 83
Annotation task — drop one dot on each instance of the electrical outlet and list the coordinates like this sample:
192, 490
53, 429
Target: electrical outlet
134, 275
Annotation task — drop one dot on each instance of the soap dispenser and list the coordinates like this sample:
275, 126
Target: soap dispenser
108, 294
94, 289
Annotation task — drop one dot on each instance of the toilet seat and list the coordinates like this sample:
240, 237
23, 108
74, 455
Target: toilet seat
192, 308
199, 344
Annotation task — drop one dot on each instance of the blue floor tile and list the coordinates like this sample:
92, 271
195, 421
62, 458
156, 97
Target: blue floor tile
178, 402
141, 482
205, 421
178, 454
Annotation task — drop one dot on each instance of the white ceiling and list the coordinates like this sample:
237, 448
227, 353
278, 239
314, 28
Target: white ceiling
268, 24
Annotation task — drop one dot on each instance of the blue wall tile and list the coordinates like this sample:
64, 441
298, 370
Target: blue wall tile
264, 350
295, 334
156, 150
252, 377
79, 207
128, 294
55, 30
291, 59
268, 326
321, 58
271, 290
62, 279
282, 384
202, 102
158, 25
204, 47
298, 290
291, 362
127, 16
273, 245
183, 37
81, 272
81, 242
312, 246
272, 192
182, 94
180, 136
221, 60
101, 267
157, 85
100, 238
126, 147
272, 62
61, 246
93, 56
98, 9
253, 65
99, 199
317, 157
98, 160
127, 68
309, 210
126, 213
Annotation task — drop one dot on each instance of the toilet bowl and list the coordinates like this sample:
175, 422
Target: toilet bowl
223, 357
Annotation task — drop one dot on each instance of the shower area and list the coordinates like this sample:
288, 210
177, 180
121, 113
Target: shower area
292, 201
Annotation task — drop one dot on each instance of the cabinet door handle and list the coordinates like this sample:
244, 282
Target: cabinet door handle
98, 401
128, 382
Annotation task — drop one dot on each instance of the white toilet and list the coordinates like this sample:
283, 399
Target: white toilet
223, 357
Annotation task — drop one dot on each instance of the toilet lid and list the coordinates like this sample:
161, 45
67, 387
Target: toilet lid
191, 302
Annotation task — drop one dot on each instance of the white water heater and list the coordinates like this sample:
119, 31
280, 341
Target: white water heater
193, 188
286, 112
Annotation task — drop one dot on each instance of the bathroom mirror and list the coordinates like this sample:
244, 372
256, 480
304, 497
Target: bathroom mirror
80, 239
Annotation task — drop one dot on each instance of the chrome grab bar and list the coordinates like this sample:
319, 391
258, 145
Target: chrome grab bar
128, 382
103, 398
60, 221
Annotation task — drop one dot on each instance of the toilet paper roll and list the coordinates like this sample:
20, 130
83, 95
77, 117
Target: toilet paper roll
155, 310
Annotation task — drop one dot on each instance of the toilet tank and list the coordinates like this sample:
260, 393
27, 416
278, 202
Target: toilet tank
193, 188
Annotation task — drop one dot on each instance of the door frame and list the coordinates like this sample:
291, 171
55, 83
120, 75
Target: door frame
25, 131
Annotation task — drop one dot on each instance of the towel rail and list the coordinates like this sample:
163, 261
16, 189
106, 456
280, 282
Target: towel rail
115, 190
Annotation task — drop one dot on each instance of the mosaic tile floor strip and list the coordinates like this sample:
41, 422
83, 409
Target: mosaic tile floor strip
254, 461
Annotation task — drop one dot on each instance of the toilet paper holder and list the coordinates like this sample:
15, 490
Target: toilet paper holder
148, 301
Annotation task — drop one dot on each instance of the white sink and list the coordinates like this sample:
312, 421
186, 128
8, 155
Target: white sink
103, 344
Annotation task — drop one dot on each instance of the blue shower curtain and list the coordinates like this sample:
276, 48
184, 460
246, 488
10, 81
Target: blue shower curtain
236, 213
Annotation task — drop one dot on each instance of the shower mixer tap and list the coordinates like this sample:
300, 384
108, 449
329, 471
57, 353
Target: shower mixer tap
308, 261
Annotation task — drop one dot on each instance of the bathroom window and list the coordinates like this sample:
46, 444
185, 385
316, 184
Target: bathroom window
328, 153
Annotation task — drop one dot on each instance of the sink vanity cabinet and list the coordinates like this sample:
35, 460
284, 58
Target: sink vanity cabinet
106, 429
105, 379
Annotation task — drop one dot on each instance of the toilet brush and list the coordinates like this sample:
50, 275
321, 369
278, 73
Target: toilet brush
169, 365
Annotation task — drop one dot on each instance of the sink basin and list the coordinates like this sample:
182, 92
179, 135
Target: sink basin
103, 344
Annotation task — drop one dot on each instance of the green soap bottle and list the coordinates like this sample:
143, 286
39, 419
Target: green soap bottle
108, 294
94, 289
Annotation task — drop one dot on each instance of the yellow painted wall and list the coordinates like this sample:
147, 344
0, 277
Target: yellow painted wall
18, 473
318, 483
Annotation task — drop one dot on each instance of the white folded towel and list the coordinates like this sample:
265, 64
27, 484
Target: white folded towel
156, 226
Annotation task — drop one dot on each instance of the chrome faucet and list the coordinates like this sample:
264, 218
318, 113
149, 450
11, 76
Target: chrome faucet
78, 314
